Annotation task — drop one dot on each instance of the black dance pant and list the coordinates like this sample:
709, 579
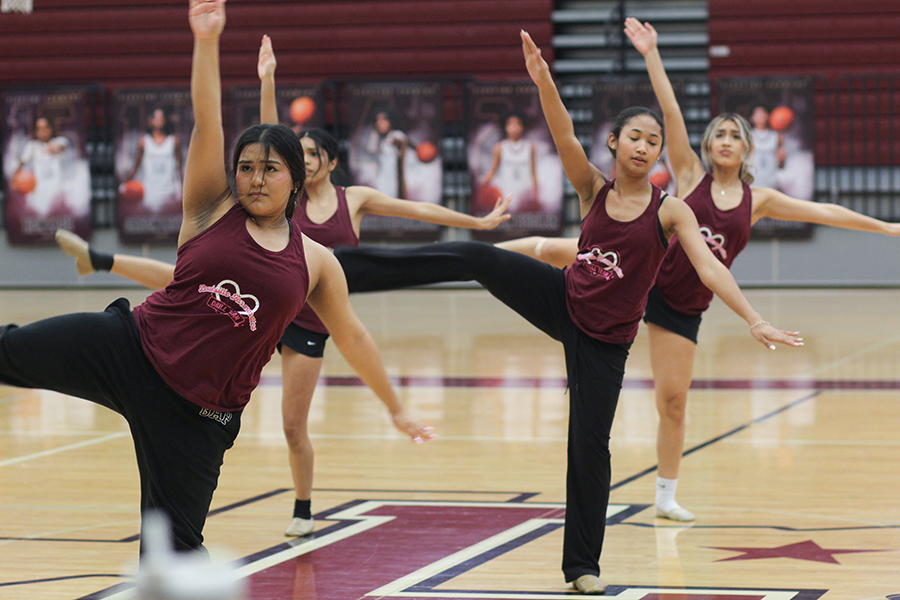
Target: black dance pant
98, 357
595, 369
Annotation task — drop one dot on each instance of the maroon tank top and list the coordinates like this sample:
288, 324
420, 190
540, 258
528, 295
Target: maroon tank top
211, 331
336, 231
607, 285
725, 231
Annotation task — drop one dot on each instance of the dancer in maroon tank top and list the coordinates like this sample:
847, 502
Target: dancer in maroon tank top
329, 215
243, 273
717, 187
594, 307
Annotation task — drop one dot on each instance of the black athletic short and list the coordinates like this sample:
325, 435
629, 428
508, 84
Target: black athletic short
306, 342
660, 313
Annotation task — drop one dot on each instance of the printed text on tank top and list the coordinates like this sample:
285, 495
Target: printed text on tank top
226, 297
224, 300
605, 263
600, 263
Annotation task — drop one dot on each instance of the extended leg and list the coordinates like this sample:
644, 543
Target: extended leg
672, 362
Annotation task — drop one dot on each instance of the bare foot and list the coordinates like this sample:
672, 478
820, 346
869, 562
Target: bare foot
73, 245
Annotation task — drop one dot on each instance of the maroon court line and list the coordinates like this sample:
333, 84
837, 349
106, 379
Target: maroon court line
640, 384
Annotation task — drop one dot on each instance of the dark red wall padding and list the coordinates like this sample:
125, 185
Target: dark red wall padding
139, 42
803, 37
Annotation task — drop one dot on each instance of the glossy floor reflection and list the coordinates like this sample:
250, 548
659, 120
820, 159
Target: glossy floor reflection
792, 465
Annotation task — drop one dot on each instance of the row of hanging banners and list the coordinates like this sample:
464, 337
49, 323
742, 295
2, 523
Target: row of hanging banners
393, 144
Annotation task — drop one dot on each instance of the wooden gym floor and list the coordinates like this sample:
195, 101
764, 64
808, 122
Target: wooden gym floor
792, 465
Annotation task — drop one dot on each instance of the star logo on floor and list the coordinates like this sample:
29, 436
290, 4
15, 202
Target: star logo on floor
808, 550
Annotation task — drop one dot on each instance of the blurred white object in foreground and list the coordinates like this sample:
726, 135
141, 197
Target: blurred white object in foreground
168, 575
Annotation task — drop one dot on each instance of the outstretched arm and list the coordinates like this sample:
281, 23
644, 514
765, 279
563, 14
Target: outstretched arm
678, 219
268, 109
685, 162
776, 205
370, 201
149, 272
329, 298
585, 178
205, 182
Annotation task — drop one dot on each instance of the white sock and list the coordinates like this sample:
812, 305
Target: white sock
665, 493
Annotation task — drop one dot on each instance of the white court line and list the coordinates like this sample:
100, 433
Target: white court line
396, 587
61, 449
628, 594
859, 353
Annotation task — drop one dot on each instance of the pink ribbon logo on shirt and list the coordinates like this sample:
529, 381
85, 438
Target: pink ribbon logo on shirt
716, 241
600, 263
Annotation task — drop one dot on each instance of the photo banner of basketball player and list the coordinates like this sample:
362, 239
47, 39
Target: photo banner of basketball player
780, 112
299, 107
394, 140
511, 152
608, 100
45, 163
151, 129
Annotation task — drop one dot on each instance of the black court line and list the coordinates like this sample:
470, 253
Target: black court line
719, 438
61, 578
229, 507
628, 384
68, 540
774, 527
517, 498
655, 591
389, 491
247, 501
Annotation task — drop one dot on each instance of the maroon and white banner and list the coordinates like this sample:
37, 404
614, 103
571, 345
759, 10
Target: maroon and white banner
510, 152
300, 107
611, 98
45, 165
780, 111
151, 129
394, 147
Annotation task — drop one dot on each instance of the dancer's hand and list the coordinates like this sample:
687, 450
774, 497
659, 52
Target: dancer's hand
207, 18
417, 433
497, 215
266, 65
534, 62
768, 335
643, 36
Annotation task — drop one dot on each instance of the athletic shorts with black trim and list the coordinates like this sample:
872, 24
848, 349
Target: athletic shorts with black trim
595, 369
304, 341
660, 313
99, 357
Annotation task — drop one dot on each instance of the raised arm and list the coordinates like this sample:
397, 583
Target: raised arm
205, 181
685, 162
268, 109
369, 201
678, 219
138, 159
584, 177
328, 297
776, 205
495, 164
